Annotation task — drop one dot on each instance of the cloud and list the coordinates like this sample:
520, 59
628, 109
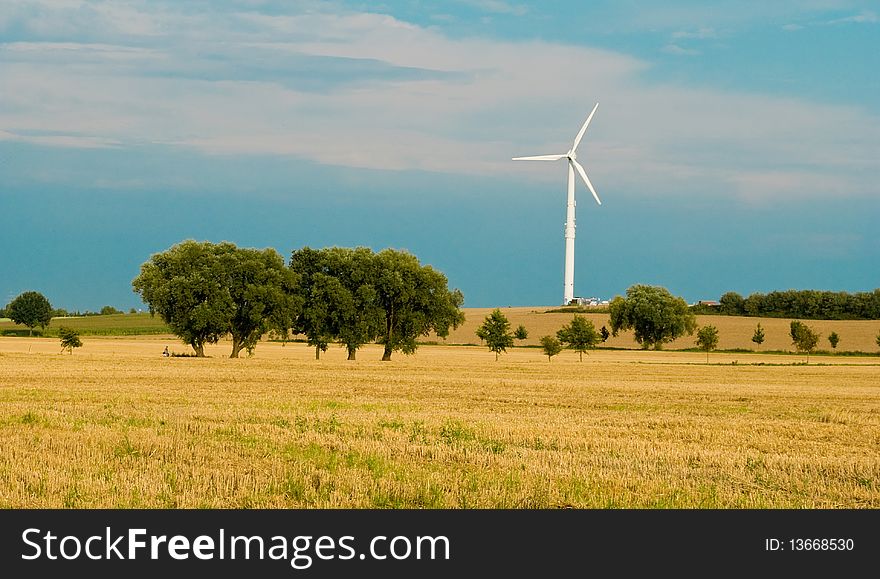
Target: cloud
792, 27
701, 34
74, 141
678, 50
497, 6
368, 90
863, 18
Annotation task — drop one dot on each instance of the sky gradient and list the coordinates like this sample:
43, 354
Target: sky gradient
735, 147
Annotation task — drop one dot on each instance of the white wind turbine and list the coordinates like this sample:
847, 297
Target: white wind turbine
571, 155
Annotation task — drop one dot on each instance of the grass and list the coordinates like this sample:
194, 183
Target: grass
117, 425
108, 325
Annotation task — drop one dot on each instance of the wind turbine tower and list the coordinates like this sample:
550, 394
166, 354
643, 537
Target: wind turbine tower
573, 165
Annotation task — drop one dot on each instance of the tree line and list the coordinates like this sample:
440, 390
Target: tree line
803, 304
351, 296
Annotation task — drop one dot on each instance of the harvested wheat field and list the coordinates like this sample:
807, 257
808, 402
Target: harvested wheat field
117, 425
735, 332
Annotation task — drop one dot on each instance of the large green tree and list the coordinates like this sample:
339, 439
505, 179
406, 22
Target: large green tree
340, 298
205, 291
495, 331
317, 290
579, 335
655, 316
263, 294
415, 299
359, 316
31, 309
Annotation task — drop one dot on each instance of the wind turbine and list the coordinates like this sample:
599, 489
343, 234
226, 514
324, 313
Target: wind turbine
573, 165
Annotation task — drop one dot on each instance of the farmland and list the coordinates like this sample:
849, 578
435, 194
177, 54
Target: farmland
734, 332
106, 325
117, 425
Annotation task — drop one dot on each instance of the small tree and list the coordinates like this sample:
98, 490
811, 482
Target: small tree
877, 339
803, 337
551, 346
580, 335
707, 339
31, 309
758, 336
833, 339
496, 332
521, 332
605, 334
109, 310
69, 339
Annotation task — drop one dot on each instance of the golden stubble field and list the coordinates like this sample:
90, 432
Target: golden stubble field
117, 425
733, 331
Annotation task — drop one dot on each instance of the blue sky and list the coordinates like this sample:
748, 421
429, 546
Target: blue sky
735, 147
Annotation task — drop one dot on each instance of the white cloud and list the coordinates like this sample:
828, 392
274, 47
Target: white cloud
792, 27
701, 33
679, 50
74, 141
497, 6
421, 101
863, 18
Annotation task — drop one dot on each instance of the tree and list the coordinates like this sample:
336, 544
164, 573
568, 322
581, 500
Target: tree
262, 292
580, 335
340, 301
877, 339
316, 290
31, 309
551, 346
732, 304
415, 300
521, 333
653, 313
495, 330
604, 334
803, 338
69, 339
109, 310
359, 317
707, 339
833, 339
204, 291
758, 336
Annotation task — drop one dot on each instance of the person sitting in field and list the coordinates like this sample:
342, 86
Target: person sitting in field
166, 353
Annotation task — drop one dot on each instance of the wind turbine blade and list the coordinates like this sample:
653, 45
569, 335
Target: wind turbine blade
586, 179
577, 140
539, 158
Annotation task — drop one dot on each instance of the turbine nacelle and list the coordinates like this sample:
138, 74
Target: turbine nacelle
571, 155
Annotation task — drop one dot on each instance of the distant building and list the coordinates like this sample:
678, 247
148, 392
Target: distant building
579, 301
709, 303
